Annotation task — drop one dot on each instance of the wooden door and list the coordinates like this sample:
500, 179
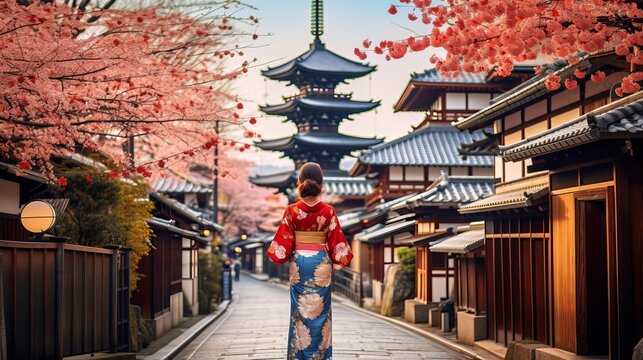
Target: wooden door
564, 271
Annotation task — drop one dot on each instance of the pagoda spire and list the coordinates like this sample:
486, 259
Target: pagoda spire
317, 19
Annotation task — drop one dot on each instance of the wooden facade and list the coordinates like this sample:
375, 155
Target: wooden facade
564, 272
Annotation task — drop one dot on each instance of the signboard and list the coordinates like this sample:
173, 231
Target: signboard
226, 284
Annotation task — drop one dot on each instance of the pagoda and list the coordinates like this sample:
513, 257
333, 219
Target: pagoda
317, 111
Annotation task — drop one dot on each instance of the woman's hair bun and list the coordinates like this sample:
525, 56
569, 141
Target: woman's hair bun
309, 187
310, 180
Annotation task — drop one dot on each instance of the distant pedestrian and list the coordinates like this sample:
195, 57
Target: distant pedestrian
312, 239
237, 269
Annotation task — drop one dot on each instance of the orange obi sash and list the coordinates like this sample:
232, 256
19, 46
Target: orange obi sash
310, 240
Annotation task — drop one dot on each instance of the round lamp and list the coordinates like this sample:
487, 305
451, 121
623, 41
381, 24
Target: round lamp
244, 237
238, 250
206, 232
37, 216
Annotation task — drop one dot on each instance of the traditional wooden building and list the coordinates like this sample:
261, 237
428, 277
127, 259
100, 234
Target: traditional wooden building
317, 111
466, 251
179, 232
436, 210
562, 268
169, 286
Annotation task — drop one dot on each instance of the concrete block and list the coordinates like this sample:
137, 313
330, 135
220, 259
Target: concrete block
415, 311
471, 327
434, 317
377, 292
523, 350
548, 353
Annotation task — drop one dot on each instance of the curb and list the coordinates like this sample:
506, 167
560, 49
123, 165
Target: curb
175, 346
438, 339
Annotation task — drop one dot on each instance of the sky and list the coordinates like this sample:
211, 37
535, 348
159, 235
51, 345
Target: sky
284, 30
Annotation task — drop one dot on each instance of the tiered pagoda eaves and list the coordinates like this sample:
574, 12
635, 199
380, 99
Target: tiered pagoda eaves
317, 111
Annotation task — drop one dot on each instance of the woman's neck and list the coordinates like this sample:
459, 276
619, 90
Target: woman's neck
311, 200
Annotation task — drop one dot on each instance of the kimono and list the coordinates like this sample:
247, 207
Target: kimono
310, 268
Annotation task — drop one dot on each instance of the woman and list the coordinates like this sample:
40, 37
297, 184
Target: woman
312, 239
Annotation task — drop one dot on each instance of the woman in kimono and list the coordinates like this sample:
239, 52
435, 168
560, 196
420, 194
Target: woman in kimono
311, 238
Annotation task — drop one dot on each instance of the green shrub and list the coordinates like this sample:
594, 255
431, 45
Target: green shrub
209, 281
406, 255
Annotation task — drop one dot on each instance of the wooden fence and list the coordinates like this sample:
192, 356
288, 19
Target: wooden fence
63, 299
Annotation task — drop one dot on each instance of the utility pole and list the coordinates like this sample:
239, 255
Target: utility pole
215, 185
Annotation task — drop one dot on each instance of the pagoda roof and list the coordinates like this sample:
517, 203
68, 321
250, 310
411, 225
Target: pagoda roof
336, 182
318, 60
321, 103
323, 140
433, 145
179, 185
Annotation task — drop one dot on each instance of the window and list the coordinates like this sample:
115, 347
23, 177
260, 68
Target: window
512, 120
596, 174
565, 98
434, 173
536, 110
564, 180
482, 171
414, 173
564, 117
479, 101
456, 101
459, 171
427, 227
513, 137
396, 173
536, 128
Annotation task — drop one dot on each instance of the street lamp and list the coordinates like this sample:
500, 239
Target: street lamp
37, 216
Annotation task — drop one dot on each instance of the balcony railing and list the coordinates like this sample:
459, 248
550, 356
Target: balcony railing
395, 189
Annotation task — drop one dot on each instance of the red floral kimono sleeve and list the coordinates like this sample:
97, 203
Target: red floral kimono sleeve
338, 249
283, 244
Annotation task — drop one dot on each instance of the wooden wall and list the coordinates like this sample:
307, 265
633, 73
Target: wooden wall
517, 277
471, 294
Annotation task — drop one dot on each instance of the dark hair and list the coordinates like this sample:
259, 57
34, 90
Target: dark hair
309, 182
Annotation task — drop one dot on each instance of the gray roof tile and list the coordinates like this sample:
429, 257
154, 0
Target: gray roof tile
435, 145
516, 194
451, 190
623, 117
174, 185
433, 76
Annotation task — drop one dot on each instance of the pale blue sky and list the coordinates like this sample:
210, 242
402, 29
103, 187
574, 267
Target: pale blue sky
347, 23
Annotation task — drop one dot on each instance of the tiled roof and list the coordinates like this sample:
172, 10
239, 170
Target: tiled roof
427, 239
623, 117
451, 190
434, 145
320, 60
463, 242
521, 193
347, 186
487, 146
59, 205
433, 76
526, 92
168, 225
184, 210
27, 174
378, 233
335, 182
343, 105
174, 185
334, 140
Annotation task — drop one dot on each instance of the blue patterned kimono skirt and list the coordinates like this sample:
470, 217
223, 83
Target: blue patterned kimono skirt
310, 333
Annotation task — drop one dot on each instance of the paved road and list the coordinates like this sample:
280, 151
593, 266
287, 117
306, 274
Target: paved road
256, 325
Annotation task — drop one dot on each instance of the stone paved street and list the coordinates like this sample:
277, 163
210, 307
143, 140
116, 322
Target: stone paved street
256, 323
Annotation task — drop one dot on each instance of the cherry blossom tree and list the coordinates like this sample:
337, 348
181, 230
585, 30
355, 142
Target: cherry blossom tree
245, 206
482, 34
94, 78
